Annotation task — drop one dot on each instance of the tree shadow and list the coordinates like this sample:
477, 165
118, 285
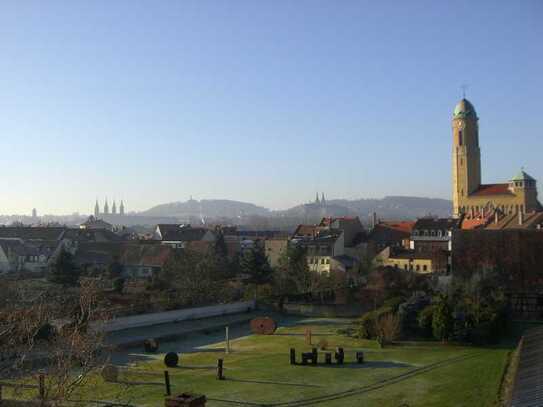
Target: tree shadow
271, 382
373, 364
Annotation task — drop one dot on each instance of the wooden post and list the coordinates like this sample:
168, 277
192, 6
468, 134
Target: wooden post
41, 386
167, 383
220, 375
292, 356
227, 340
0, 394
308, 336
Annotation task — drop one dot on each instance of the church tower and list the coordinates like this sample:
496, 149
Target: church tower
121, 208
114, 208
96, 209
466, 155
106, 208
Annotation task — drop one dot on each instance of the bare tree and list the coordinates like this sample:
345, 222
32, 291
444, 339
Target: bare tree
388, 328
54, 335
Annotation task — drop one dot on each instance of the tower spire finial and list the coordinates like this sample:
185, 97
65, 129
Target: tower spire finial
464, 87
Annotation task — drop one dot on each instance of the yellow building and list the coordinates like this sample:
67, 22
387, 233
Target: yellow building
470, 196
409, 260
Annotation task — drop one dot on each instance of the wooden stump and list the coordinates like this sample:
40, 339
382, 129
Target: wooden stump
292, 356
360, 357
340, 356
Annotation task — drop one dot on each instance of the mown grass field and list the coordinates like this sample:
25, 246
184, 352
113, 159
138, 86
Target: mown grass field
258, 373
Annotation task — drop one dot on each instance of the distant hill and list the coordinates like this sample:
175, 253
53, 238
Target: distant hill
399, 207
207, 208
390, 207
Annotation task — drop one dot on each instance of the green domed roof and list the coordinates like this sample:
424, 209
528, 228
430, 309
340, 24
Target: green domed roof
522, 176
464, 108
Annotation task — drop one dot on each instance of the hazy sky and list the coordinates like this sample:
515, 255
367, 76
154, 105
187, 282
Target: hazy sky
262, 101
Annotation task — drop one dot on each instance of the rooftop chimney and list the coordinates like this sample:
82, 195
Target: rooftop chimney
520, 218
496, 217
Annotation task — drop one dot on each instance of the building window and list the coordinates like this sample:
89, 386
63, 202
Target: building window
327, 261
322, 261
424, 268
460, 141
418, 267
405, 267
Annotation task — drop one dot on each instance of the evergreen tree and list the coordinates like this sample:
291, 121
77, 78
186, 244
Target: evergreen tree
442, 320
64, 271
219, 247
292, 276
255, 266
115, 268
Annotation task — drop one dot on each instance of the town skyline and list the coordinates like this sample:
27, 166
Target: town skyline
376, 99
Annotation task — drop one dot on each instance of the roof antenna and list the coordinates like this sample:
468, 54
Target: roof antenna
464, 87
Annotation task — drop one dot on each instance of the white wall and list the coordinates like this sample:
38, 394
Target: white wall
137, 321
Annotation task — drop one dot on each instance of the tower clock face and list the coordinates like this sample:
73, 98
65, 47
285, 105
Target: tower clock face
460, 124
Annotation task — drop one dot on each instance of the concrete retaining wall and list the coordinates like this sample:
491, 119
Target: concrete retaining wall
138, 321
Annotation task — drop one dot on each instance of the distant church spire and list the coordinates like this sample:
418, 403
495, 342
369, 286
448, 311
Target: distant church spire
106, 208
96, 209
323, 202
114, 208
121, 208
317, 198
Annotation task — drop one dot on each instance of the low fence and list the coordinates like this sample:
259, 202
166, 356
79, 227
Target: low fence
138, 321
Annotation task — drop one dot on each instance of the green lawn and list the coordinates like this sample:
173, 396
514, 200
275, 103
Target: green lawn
258, 371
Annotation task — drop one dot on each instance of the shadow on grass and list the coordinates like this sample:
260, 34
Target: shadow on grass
271, 382
205, 350
303, 334
374, 364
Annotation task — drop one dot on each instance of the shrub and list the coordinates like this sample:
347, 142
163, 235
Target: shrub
367, 326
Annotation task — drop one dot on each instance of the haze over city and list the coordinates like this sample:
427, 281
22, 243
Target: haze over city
259, 102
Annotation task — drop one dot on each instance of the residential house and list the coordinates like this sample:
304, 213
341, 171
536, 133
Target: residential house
144, 260
180, 235
410, 260
321, 247
95, 223
19, 256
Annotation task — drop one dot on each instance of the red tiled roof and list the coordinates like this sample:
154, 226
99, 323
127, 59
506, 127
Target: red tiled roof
468, 224
402, 226
492, 189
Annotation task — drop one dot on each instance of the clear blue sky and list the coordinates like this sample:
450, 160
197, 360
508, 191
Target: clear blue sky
262, 101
